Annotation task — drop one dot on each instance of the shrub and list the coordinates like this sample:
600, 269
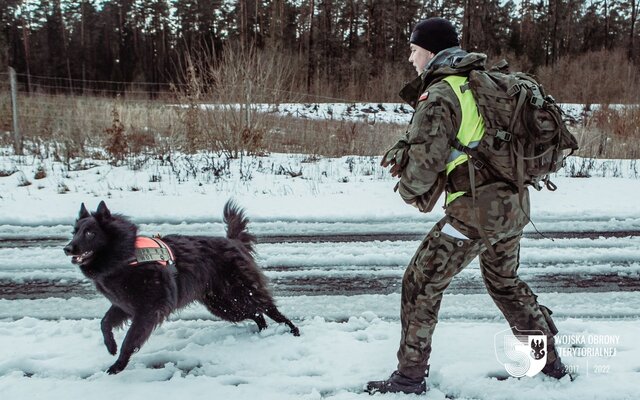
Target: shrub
40, 173
116, 140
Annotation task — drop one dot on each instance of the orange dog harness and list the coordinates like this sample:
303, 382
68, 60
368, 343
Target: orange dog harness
152, 250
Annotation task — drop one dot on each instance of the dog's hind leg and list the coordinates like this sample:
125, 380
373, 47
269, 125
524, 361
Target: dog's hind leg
222, 308
229, 312
259, 318
274, 314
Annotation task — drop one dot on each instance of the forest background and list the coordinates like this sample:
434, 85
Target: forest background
110, 73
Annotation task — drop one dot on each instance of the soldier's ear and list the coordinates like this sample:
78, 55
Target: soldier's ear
103, 211
84, 213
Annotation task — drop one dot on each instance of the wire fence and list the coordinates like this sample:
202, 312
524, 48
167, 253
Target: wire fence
181, 117
188, 119
46, 85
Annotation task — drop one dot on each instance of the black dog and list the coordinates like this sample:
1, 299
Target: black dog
218, 272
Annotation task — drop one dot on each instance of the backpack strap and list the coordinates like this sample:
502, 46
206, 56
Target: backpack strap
476, 219
475, 161
538, 101
478, 160
520, 171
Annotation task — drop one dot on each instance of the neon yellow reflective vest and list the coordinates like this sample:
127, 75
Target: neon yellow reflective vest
471, 127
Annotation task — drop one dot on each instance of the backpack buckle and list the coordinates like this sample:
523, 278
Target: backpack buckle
537, 101
513, 90
477, 164
503, 135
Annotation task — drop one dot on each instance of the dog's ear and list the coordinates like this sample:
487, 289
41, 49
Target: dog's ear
83, 212
103, 211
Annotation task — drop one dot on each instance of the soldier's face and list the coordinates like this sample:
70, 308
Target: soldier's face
419, 57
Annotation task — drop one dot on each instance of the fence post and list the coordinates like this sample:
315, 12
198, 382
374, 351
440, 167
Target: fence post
248, 103
17, 139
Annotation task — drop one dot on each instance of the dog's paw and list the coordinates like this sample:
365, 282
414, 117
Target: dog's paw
117, 367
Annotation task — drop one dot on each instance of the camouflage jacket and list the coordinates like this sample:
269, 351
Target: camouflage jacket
435, 122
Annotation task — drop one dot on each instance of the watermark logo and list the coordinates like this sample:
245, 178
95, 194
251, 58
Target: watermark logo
523, 353
587, 353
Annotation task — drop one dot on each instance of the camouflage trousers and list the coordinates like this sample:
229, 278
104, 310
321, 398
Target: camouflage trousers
438, 259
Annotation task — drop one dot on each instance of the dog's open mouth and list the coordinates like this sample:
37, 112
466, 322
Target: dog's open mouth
82, 258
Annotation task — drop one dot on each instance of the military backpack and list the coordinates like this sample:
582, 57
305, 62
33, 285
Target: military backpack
525, 135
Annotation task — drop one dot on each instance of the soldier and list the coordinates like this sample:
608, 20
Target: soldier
427, 166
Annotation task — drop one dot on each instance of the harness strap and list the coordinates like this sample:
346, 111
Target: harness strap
477, 159
459, 149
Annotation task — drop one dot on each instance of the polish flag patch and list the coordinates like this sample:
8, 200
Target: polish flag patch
424, 96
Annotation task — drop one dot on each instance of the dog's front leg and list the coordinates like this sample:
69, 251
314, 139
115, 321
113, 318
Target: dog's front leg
140, 330
114, 317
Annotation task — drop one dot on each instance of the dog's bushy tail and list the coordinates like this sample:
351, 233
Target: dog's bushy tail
237, 225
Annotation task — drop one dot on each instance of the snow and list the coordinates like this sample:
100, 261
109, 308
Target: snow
201, 359
375, 258
458, 307
321, 195
52, 347
393, 113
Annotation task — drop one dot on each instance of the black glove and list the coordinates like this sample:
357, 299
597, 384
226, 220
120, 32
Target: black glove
396, 157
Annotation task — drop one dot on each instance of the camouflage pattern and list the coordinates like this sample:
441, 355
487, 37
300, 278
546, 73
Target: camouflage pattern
420, 156
438, 259
419, 159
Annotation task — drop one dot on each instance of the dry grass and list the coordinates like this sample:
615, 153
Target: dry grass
593, 78
330, 138
611, 133
69, 126
65, 127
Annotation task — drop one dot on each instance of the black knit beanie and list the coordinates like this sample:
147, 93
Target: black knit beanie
435, 34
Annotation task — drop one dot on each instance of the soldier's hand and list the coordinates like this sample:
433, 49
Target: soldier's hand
413, 202
396, 157
420, 205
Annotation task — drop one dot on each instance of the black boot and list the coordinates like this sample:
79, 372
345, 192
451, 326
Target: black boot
556, 369
397, 383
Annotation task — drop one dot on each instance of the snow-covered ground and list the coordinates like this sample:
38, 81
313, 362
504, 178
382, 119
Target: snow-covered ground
395, 113
201, 359
348, 190
52, 348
